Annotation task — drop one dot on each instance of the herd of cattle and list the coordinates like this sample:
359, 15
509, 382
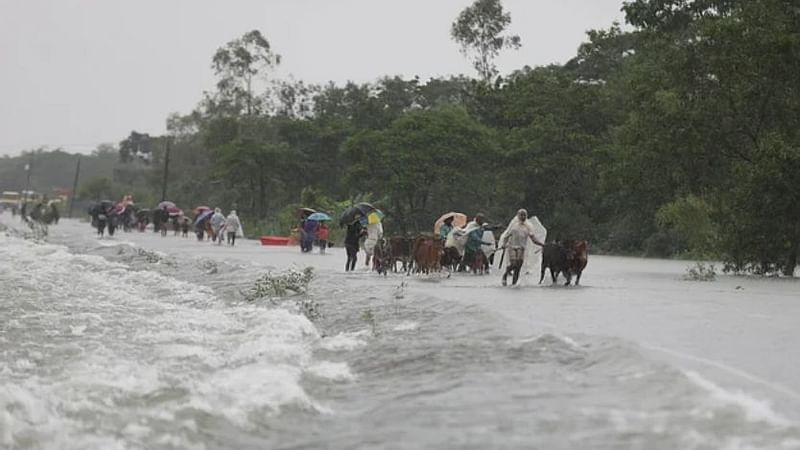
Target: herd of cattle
427, 254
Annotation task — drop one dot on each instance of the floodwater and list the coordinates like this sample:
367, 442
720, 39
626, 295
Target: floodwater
138, 341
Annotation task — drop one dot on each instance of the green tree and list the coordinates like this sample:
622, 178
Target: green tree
238, 64
96, 189
425, 162
477, 29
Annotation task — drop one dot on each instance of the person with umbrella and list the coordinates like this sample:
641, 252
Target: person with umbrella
351, 244
309, 233
322, 231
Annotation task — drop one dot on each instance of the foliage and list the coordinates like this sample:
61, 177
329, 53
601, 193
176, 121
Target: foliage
478, 30
238, 64
96, 189
689, 220
701, 272
280, 284
677, 135
368, 316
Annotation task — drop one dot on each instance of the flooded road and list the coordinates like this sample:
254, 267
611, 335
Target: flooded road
139, 341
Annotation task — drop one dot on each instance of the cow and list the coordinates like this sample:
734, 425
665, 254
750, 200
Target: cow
554, 257
577, 258
451, 258
401, 252
567, 257
382, 257
427, 254
480, 263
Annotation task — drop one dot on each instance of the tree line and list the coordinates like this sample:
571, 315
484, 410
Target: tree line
676, 135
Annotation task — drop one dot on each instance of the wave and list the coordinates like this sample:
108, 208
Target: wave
93, 347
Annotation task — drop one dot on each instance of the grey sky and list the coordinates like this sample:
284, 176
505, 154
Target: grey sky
76, 73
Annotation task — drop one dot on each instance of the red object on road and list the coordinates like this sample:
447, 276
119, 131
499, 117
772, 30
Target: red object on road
274, 240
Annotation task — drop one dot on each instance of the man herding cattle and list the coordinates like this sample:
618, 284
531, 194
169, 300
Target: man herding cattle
515, 240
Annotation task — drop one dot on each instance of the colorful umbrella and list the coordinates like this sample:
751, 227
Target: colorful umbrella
375, 216
201, 209
459, 221
166, 204
319, 217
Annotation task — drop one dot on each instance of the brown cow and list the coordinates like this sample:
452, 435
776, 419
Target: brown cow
401, 252
427, 254
578, 257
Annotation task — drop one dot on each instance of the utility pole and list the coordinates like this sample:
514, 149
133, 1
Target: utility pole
166, 169
75, 186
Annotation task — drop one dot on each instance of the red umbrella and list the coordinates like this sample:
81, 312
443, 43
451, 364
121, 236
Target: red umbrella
201, 209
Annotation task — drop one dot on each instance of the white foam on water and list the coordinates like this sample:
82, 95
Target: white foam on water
755, 410
344, 341
336, 371
123, 347
110, 242
406, 326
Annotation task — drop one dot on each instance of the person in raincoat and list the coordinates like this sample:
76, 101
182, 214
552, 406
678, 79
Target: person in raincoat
233, 228
474, 242
218, 224
374, 234
515, 240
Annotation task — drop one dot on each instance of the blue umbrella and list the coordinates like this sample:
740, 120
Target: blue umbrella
320, 217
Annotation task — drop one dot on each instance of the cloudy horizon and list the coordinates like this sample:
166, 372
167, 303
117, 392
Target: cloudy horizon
78, 73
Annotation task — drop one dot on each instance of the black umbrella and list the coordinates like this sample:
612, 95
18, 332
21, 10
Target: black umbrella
356, 211
365, 208
350, 215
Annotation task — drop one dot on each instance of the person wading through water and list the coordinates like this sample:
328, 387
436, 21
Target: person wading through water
515, 239
233, 227
351, 240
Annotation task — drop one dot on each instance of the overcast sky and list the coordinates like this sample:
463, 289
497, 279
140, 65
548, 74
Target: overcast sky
76, 73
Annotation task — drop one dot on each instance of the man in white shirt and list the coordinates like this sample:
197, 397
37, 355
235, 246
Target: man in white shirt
515, 239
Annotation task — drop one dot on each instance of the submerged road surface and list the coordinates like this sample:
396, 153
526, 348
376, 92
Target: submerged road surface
139, 341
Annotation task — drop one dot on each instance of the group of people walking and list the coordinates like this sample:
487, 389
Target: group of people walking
372, 234
516, 242
313, 231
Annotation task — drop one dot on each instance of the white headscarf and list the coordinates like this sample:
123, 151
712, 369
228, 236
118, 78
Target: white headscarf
533, 253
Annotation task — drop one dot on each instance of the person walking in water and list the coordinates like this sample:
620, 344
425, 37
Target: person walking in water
446, 228
351, 240
233, 227
217, 225
374, 234
514, 240
322, 237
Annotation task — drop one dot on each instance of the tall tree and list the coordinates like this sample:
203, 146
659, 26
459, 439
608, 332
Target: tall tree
238, 64
478, 30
